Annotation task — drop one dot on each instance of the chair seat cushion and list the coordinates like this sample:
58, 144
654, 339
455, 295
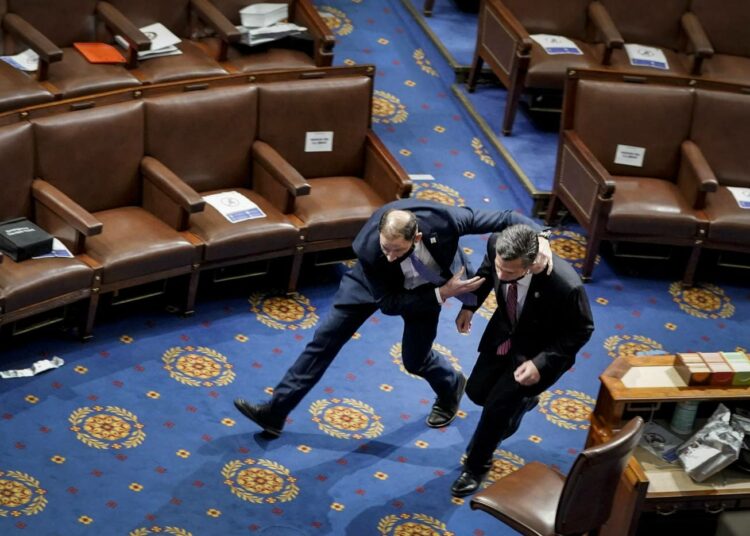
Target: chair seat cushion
192, 63
548, 71
135, 243
34, 281
226, 240
525, 499
727, 68
729, 223
74, 75
244, 60
650, 206
18, 89
336, 208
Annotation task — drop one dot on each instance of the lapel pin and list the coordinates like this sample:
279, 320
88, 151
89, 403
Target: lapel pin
536, 295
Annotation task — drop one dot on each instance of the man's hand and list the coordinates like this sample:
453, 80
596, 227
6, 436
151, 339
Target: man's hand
543, 258
455, 285
527, 373
463, 320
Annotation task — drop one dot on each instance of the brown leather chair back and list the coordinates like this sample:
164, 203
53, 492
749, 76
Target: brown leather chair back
93, 155
174, 14
597, 468
205, 137
17, 163
61, 22
726, 24
566, 18
721, 128
647, 22
231, 8
654, 117
288, 110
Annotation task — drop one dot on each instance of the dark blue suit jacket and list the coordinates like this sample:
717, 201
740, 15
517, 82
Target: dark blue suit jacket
375, 280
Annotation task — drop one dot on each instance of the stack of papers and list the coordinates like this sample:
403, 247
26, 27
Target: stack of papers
163, 42
263, 14
28, 60
265, 34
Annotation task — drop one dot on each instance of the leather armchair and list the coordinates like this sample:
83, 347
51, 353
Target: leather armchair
349, 181
104, 199
50, 29
719, 40
658, 201
240, 58
519, 62
176, 16
208, 140
34, 286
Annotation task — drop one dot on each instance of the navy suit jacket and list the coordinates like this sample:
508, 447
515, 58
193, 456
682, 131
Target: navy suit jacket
555, 321
375, 280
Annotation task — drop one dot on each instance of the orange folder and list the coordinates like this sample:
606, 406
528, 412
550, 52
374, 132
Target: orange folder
99, 52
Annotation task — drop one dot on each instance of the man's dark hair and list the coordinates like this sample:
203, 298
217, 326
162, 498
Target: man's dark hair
518, 242
398, 223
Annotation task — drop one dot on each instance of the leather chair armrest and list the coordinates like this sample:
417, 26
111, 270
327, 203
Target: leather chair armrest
48, 52
306, 15
119, 24
216, 20
606, 28
383, 172
517, 30
65, 208
168, 183
695, 177
698, 41
604, 183
276, 179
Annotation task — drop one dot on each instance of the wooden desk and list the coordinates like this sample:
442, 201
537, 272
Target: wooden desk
634, 385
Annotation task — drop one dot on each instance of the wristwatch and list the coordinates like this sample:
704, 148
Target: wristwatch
546, 234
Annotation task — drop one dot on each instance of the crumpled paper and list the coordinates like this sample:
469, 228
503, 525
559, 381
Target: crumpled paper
33, 370
713, 447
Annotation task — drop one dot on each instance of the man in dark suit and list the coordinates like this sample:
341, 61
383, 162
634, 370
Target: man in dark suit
409, 263
540, 323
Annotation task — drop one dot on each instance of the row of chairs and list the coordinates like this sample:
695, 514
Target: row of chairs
699, 38
209, 44
653, 160
120, 180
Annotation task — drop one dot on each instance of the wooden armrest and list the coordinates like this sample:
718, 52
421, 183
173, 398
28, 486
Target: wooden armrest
306, 15
383, 172
119, 24
605, 26
279, 169
698, 41
216, 20
605, 184
36, 40
165, 180
695, 177
521, 35
65, 208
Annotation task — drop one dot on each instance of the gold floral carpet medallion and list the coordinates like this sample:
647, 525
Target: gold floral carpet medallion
570, 246
424, 64
387, 108
567, 409
438, 193
107, 427
198, 367
489, 306
412, 525
703, 300
260, 481
346, 418
173, 531
397, 357
20, 495
283, 312
481, 152
630, 345
336, 20
503, 463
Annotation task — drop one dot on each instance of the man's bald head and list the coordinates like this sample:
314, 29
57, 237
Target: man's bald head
395, 223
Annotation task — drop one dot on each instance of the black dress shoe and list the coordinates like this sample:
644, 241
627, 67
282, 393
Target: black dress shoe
443, 413
466, 484
259, 414
529, 404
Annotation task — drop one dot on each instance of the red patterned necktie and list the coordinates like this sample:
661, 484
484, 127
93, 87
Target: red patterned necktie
511, 306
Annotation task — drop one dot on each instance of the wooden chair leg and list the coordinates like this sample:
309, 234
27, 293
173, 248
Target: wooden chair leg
689, 275
427, 7
476, 68
295, 270
192, 291
511, 106
88, 325
552, 208
592, 249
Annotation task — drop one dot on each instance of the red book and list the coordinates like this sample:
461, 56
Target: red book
100, 53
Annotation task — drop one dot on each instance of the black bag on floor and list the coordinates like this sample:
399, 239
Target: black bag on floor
21, 239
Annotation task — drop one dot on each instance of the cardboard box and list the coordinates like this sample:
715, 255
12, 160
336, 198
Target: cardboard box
263, 14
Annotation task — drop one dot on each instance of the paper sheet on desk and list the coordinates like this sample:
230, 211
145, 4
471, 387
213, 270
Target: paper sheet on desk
234, 206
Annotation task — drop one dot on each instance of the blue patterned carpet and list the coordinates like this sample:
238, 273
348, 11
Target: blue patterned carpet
136, 434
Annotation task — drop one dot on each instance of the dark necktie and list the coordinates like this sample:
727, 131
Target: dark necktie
511, 306
428, 274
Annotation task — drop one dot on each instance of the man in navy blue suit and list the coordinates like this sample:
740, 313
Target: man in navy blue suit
409, 263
